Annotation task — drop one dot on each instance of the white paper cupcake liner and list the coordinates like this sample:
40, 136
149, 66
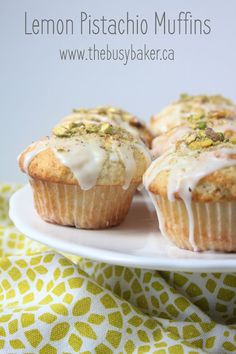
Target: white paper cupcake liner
96, 208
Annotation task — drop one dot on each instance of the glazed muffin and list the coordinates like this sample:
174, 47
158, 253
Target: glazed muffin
223, 121
194, 191
85, 174
113, 116
177, 113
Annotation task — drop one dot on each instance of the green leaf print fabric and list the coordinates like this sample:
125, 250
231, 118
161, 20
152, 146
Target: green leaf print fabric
54, 303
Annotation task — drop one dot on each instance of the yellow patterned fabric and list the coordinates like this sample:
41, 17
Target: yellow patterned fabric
53, 304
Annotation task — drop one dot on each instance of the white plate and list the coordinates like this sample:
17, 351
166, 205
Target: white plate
137, 242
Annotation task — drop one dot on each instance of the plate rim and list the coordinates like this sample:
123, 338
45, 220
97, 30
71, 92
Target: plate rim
117, 258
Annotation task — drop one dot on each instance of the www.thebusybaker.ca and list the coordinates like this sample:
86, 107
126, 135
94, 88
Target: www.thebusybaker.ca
183, 24
124, 55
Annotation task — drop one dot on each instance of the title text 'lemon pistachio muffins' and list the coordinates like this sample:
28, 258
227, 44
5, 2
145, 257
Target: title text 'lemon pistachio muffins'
113, 116
194, 191
85, 174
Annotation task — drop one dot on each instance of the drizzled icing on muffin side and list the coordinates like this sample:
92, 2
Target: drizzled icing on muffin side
85, 147
196, 157
35, 149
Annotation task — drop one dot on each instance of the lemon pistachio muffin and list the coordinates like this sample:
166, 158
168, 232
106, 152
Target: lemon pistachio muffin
220, 120
194, 191
176, 113
85, 174
113, 116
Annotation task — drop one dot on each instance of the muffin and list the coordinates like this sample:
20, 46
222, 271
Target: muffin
194, 191
220, 120
176, 113
113, 116
85, 174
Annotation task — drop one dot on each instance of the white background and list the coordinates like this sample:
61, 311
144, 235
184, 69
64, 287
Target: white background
37, 89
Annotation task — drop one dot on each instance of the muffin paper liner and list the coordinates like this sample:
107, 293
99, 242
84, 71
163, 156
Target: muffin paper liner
214, 224
97, 208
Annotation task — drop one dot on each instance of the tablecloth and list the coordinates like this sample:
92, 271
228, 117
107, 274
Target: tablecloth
54, 303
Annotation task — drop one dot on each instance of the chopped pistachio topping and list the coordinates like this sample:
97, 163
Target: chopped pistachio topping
210, 133
201, 125
199, 119
233, 139
71, 129
80, 110
198, 144
184, 96
226, 113
198, 114
67, 129
215, 99
112, 113
106, 128
194, 117
204, 139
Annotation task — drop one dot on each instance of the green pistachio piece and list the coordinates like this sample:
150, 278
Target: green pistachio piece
61, 131
210, 133
233, 139
113, 110
93, 128
70, 125
102, 110
197, 114
80, 110
202, 125
106, 128
67, 129
195, 145
190, 138
184, 96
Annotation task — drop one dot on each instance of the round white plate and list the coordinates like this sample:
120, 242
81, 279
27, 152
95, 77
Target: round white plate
137, 242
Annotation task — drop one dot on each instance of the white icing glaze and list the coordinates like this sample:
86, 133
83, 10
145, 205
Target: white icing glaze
127, 157
167, 141
127, 126
185, 172
159, 215
166, 119
144, 151
37, 147
148, 157
84, 158
114, 157
227, 125
160, 164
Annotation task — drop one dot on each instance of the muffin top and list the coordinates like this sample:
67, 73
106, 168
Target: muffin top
191, 108
88, 154
113, 116
220, 120
201, 168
